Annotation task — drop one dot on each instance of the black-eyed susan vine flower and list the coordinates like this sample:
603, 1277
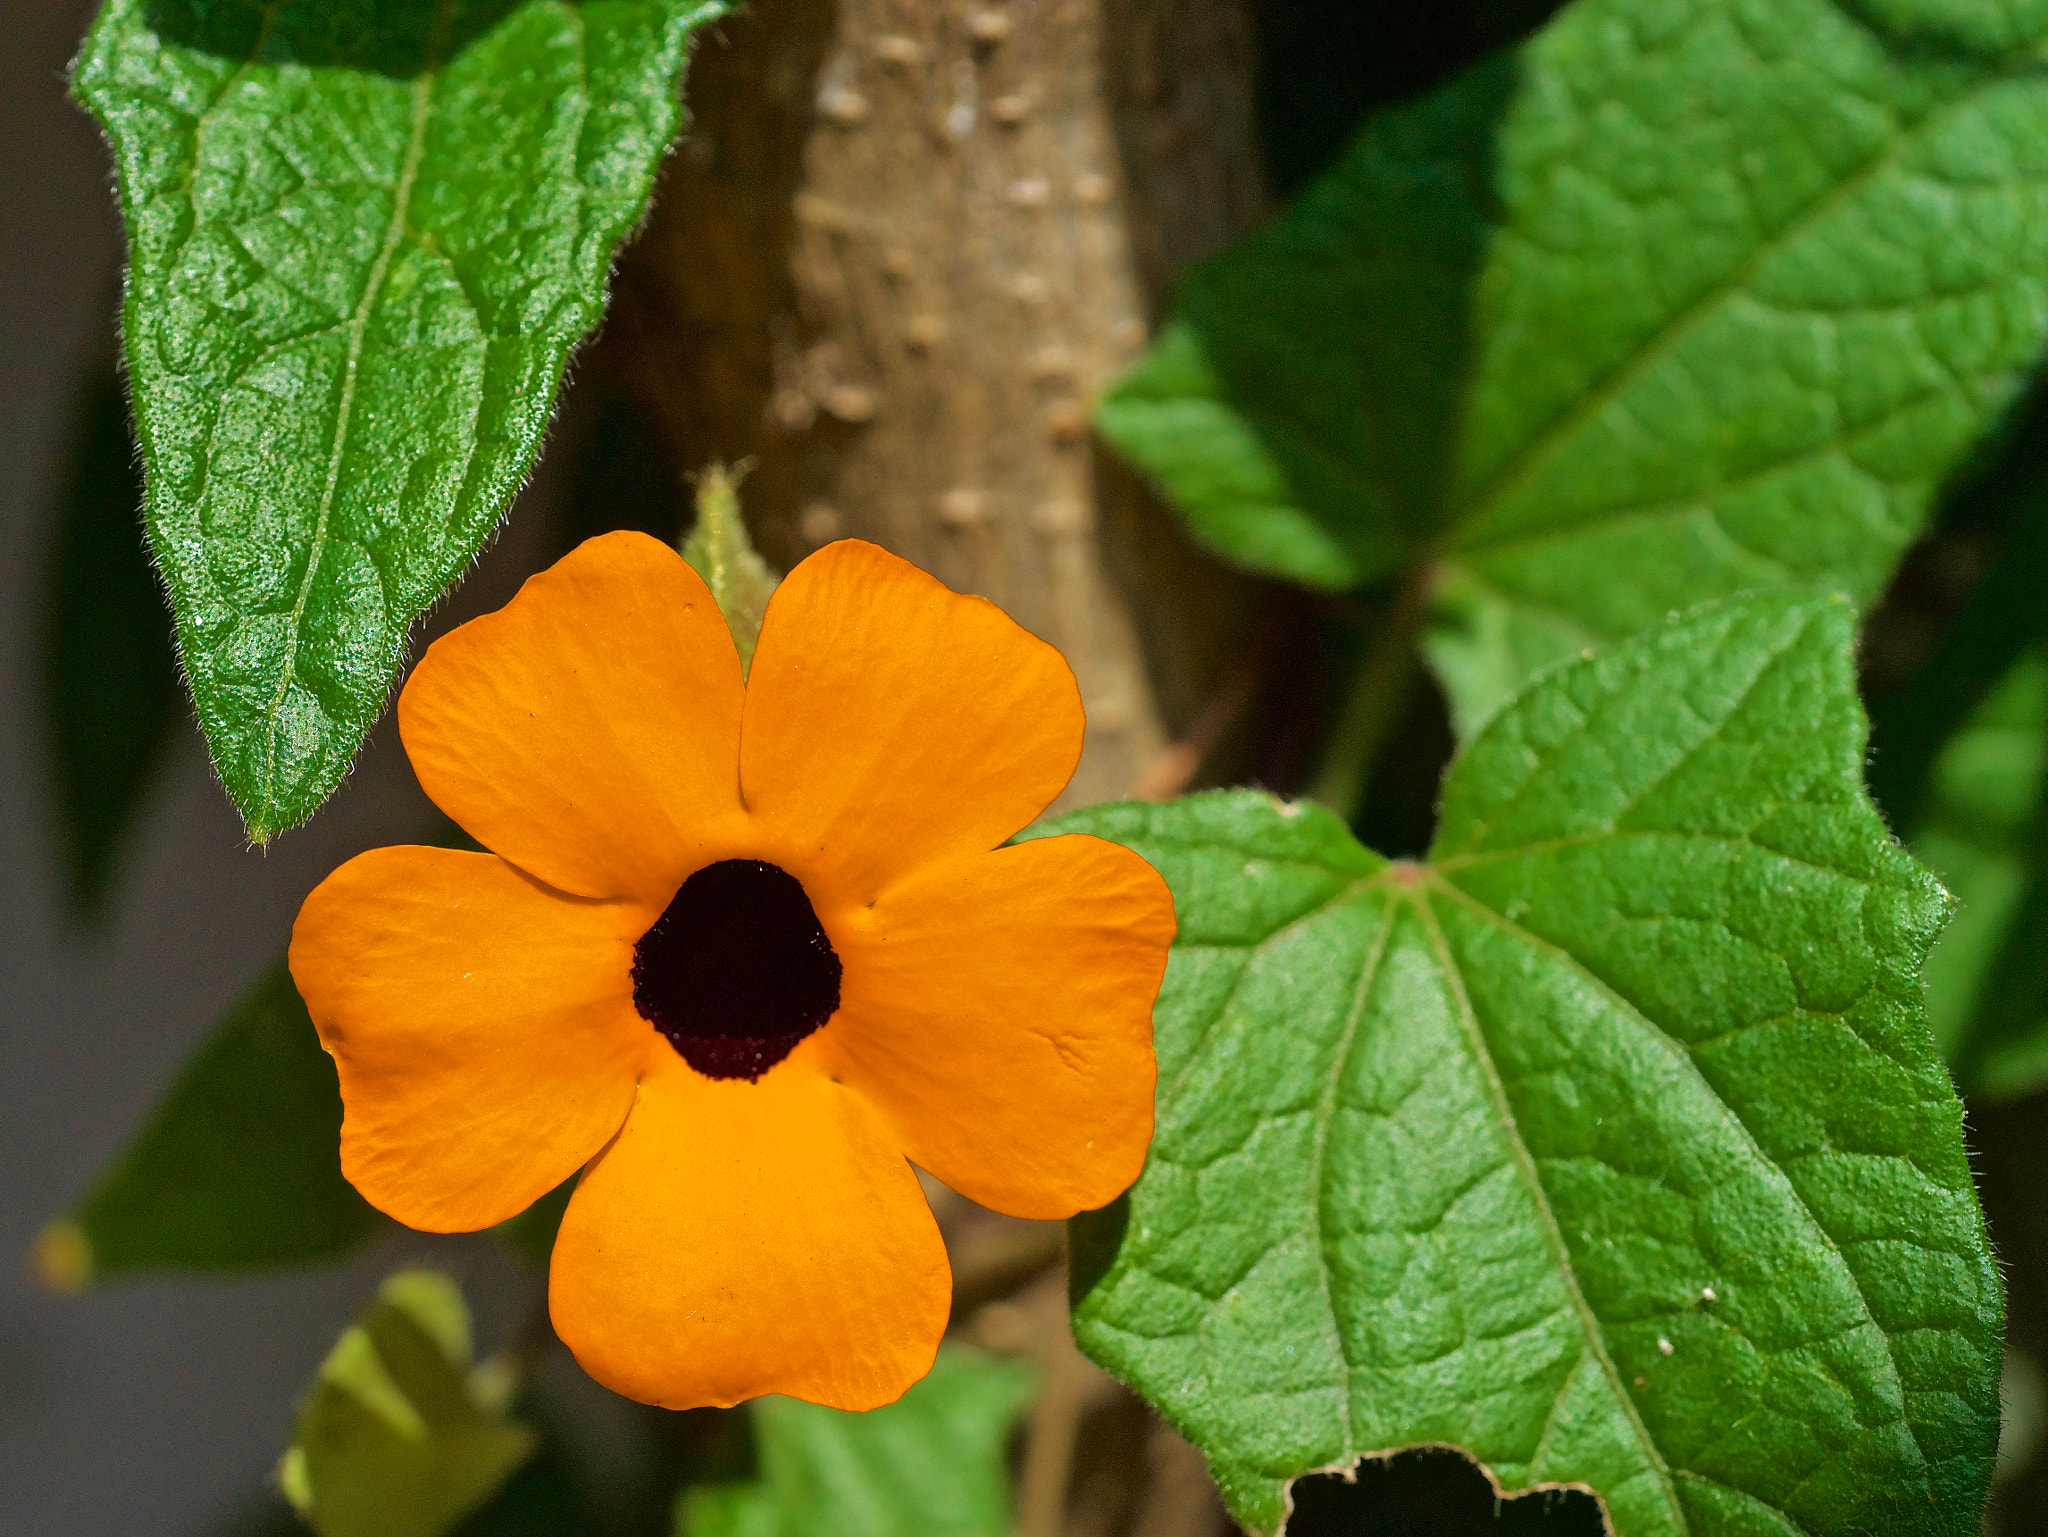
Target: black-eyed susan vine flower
744, 950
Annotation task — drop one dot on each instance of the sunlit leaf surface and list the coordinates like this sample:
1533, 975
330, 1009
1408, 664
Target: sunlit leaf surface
933, 1461
1672, 301
1609, 1144
363, 235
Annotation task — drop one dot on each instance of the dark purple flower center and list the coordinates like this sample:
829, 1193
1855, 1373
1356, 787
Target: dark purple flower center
737, 970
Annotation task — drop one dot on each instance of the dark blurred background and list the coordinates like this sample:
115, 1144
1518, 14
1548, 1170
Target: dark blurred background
156, 1407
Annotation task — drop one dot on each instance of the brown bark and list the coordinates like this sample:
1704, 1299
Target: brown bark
903, 247
901, 250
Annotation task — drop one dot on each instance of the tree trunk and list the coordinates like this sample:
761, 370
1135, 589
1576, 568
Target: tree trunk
901, 250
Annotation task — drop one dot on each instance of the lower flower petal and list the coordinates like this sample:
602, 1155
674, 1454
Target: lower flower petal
482, 1023
744, 1238
998, 1011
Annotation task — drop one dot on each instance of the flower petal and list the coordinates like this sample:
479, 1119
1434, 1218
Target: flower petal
891, 721
998, 1012
747, 1238
482, 1023
588, 731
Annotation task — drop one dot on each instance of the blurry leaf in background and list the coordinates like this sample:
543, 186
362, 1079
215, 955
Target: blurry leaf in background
933, 1461
2006, 612
110, 687
400, 1437
238, 1169
530, 1236
350, 300
1609, 1145
547, 1497
1985, 833
550, 1496
1658, 307
719, 550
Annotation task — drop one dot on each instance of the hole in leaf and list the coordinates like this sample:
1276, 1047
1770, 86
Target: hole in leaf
1434, 1492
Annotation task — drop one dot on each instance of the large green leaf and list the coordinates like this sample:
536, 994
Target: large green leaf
1674, 300
110, 675
1986, 834
363, 235
239, 1168
399, 1436
1610, 1144
933, 1461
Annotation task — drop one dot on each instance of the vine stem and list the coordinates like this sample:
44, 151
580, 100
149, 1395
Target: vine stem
1373, 702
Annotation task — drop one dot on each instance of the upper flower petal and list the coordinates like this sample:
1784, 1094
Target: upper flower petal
483, 1026
998, 1012
588, 731
744, 1238
891, 721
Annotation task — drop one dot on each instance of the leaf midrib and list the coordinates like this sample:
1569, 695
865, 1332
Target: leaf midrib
1169, 1094
359, 324
1368, 973
1682, 1053
1525, 1163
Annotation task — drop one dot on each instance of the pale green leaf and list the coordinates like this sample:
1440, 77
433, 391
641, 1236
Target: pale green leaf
1610, 1144
1675, 300
1985, 834
363, 235
720, 551
933, 1461
397, 1439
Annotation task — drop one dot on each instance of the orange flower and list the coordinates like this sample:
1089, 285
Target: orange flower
743, 953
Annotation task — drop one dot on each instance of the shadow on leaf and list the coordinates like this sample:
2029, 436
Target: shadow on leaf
398, 38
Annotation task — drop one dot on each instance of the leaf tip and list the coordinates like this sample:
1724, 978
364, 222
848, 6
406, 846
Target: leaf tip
293, 1481
62, 1256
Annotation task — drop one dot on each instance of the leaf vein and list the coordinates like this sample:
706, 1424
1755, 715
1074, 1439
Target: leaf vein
1589, 1322
1684, 1053
358, 330
1519, 468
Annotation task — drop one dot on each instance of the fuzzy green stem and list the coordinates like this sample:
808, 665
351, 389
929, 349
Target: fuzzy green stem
721, 552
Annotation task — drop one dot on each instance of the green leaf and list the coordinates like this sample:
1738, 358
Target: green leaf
1986, 835
719, 550
933, 1461
1710, 294
238, 1169
1610, 1144
549, 1496
399, 1437
1912, 723
363, 236
530, 1236
110, 676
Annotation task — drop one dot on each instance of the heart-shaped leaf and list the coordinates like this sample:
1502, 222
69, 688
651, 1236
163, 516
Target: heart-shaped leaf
1713, 293
1610, 1144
